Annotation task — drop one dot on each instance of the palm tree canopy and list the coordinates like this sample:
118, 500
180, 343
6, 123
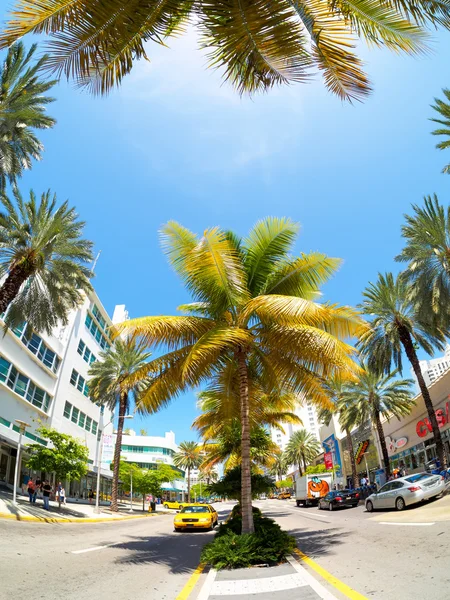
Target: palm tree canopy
227, 447
442, 107
391, 307
427, 252
279, 466
22, 110
188, 456
374, 393
257, 44
302, 447
110, 375
250, 295
219, 403
44, 243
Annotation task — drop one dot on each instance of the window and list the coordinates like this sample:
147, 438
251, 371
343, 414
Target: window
75, 413
94, 427
22, 385
85, 353
88, 423
38, 347
81, 419
67, 410
96, 332
79, 382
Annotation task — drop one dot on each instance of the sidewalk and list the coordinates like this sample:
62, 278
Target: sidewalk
289, 581
71, 513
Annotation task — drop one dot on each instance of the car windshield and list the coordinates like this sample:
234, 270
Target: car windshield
195, 509
417, 477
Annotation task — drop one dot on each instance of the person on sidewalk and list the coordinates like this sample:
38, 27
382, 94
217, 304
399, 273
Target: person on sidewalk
46, 491
31, 488
62, 494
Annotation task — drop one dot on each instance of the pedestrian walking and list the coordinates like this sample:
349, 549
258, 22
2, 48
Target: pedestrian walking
46, 491
31, 488
62, 495
91, 496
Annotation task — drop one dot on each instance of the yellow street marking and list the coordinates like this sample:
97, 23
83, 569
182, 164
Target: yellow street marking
186, 591
339, 585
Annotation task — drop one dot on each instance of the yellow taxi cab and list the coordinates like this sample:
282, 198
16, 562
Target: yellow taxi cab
196, 516
175, 504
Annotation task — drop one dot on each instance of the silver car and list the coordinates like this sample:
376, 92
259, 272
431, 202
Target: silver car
404, 491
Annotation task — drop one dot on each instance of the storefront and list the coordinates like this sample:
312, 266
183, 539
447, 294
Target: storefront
410, 441
365, 452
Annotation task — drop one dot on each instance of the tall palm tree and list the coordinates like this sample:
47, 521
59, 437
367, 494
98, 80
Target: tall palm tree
43, 260
336, 387
301, 449
442, 107
375, 395
227, 447
22, 110
257, 44
188, 457
208, 474
427, 252
279, 467
253, 304
110, 385
397, 324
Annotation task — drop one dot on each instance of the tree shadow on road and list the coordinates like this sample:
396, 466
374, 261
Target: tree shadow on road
320, 542
179, 551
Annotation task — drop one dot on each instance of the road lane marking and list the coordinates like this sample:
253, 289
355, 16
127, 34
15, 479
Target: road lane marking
92, 549
186, 591
206, 587
339, 585
264, 585
407, 524
312, 582
311, 516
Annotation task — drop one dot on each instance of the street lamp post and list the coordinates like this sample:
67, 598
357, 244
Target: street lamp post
22, 426
131, 490
99, 460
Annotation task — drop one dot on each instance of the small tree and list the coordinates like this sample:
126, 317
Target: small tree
66, 457
146, 481
284, 483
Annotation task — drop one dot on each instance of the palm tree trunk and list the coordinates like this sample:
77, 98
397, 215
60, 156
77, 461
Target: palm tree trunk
11, 286
300, 472
352, 456
405, 338
384, 451
117, 449
189, 483
246, 483
304, 462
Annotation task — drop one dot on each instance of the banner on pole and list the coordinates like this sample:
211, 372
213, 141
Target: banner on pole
107, 451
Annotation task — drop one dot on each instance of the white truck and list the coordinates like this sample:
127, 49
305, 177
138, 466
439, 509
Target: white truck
311, 487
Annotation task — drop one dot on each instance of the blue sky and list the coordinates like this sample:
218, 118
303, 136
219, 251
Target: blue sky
175, 143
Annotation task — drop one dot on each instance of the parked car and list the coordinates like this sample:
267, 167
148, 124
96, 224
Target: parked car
284, 496
405, 491
176, 504
339, 499
196, 516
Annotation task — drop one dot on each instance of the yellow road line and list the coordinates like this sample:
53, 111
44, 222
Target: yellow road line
186, 591
339, 585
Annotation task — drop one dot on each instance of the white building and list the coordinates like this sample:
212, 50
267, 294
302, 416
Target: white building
432, 369
308, 415
43, 381
148, 451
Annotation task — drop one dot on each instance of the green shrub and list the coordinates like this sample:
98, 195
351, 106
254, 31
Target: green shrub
269, 544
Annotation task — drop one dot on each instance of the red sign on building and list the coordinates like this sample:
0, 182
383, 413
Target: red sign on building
328, 458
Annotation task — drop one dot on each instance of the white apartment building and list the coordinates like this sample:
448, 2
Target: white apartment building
147, 451
432, 369
308, 415
43, 381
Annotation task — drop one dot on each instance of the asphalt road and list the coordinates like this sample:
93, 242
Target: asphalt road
386, 556
138, 559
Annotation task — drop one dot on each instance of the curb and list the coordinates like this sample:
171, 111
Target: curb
32, 519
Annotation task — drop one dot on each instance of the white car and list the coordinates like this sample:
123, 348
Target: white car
405, 491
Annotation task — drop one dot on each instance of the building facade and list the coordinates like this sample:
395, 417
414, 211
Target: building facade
433, 369
148, 451
43, 380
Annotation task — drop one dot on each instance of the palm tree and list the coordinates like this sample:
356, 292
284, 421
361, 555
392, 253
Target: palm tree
427, 252
336, 387
143, 432
279, 467
208, 474
301, 449
188, 457
442, 107
227, 447
43, 261
22, 110
258, 44
375, 395
397, 324
109, 385
254, 304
